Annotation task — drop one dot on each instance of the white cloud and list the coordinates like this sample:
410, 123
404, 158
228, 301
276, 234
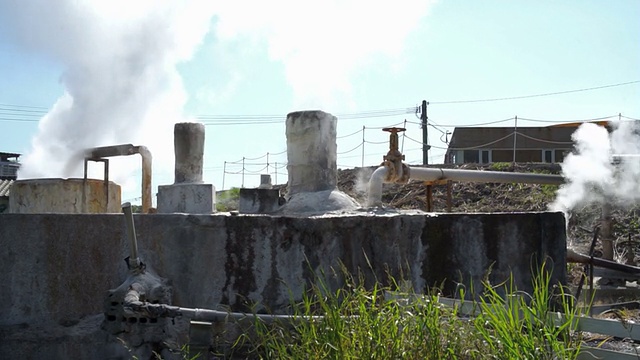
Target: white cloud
322, 44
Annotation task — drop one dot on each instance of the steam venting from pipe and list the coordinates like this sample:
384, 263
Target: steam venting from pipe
120, 79
595, 173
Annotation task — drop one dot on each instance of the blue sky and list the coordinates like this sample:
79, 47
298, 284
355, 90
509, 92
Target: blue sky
224, 62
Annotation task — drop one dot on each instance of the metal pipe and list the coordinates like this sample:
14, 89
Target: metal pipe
134, 261
575, 257
147, 194
150, 310
126, 150
375, 186
436, 174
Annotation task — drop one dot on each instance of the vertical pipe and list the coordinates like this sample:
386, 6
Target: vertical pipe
275, 169
147, 194
607, 242
134, 261
242, 172
106, 185
429, 197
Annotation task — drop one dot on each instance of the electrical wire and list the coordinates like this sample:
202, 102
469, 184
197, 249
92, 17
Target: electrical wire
544, 141
384, 127
377, 142
469, 148
354, 133
348, 151
569, 121
532, 96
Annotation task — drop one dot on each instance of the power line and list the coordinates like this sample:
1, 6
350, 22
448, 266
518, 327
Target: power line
532, 96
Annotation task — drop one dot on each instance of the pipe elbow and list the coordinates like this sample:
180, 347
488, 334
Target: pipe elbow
374, 197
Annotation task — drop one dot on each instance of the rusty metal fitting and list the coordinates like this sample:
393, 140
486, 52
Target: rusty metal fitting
398, 172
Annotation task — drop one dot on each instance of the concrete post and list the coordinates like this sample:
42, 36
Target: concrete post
311, 151
313, 172
188, 142
188, 194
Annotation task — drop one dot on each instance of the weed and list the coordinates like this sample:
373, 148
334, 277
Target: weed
362, 323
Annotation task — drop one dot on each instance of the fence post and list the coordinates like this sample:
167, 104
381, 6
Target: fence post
515, 135
224, 173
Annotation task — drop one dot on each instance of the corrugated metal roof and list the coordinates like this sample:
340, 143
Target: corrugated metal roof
5, 185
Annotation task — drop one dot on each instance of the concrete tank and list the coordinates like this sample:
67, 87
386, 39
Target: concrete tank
65, 196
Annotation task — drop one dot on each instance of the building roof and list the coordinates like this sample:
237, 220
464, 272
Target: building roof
577, 124
501, 138
5, 185
8, 155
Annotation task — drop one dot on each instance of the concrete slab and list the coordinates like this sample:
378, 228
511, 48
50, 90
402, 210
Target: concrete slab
187, 198
56, 268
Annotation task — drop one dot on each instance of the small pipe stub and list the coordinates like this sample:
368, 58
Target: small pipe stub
398, 172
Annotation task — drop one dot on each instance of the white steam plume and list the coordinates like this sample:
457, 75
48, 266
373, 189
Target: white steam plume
120, 78
590, 173
323, 44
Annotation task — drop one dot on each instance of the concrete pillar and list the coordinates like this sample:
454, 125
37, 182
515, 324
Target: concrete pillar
265, 181
188, 194
188, 142
311, 151
313, 173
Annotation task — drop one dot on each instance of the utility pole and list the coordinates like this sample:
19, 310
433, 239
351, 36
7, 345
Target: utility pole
425, 134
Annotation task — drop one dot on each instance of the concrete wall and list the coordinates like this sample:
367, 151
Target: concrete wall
55, 269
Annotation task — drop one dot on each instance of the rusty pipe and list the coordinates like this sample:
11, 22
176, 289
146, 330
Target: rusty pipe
147, 194
575, 257
126, 150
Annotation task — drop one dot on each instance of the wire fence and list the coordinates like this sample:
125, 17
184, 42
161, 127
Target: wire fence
372, 144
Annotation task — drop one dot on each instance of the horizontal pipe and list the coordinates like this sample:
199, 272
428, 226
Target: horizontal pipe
113, 150
126, 150
575, 257
146, 309
436, 174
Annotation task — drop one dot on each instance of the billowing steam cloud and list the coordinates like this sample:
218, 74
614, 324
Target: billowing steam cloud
595, 174
120, 73
323, 44
120, 79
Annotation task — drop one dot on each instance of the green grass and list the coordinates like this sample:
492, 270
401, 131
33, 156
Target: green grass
361, 323
500, 166
227, 200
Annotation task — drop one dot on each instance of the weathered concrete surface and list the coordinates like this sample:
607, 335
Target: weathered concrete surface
311, 151
188, 142
259, 201
55, 270
187, 198
72, 196
311, 159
